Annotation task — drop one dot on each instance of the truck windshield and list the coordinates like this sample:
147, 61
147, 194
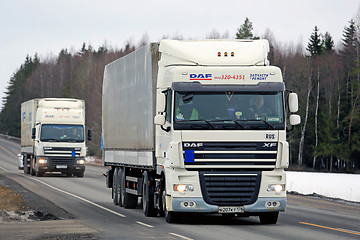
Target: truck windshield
62, 133
229, 110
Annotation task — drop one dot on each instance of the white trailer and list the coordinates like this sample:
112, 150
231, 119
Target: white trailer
182, 129
53, 136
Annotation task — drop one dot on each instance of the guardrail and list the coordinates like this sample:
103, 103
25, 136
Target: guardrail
8, 137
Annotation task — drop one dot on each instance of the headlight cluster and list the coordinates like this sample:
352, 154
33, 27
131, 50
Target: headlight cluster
183, 188
276, 188
42, 161
81, 161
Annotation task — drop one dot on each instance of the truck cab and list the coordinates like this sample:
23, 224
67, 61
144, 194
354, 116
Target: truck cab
222, 128
53, 136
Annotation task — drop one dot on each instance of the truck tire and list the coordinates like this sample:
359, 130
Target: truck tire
32, 167
39, 174
170, 217
128, 200
120, 173
80, 174
115, 187
269, 218
26, 167
148, 196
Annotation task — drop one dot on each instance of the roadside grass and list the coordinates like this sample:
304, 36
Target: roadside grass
10, 200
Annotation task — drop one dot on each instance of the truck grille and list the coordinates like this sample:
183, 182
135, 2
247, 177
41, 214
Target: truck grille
62, 151
221, 155
62, 161
230, 188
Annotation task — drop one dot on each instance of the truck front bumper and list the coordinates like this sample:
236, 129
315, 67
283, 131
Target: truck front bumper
63, 169
63, 165
198, 205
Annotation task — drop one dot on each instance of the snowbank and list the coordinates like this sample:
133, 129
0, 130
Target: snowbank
334, 185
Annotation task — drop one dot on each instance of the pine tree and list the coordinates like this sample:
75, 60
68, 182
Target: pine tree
245, 31
315, 45
328, 42
350, 39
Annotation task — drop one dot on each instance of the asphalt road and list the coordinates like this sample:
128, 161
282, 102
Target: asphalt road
89, 202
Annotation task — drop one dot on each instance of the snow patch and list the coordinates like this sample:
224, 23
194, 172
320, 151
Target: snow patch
333, 185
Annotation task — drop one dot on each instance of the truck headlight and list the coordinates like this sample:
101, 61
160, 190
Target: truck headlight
183, 188
276, 188
81, 161
42, 161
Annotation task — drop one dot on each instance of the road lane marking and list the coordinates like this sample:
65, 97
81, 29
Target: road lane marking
180, 236
330, 228
78, 197
8, 151
144, 224
4, 169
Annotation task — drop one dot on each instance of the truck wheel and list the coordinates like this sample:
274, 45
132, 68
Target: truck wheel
127, 200
80, 174
115, 188
26, 167
39, 174
170, 217
269, 218
120, 173
32, 167
148, 196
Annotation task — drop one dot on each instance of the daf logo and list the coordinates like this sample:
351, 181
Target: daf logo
193, 145
269, 145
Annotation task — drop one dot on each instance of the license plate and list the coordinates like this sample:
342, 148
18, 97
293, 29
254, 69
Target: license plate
231, 209
61, 166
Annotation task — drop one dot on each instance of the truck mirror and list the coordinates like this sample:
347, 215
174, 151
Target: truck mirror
161, 103
159, 119
293, 102
89, 134
295, 119
33, 133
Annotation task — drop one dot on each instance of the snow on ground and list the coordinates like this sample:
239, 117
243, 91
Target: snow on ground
333, 185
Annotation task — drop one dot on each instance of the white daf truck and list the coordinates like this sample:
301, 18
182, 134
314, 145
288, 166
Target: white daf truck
53, 136
197, 127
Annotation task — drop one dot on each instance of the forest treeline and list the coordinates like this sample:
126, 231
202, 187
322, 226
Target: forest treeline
326, 78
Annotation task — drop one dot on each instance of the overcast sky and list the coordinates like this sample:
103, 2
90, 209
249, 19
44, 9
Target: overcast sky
47, 26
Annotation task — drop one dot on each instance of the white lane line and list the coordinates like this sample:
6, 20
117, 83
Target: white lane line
78, 197
180, 236
144, 224
4, 169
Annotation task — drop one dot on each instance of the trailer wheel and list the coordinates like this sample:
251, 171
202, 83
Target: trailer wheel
115, 187
170, 217
269, 218
148, 196
120, 173
128, 200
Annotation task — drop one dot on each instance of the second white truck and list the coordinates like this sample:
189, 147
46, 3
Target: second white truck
197, 127
53, 136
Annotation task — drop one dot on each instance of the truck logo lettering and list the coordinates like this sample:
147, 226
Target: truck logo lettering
193, 145
269, 145
259, 77
200, 76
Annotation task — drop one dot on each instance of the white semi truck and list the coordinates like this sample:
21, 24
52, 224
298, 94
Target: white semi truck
53, 136
197, 127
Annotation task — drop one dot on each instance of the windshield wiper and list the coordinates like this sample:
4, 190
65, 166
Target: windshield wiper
229, 120
258, 120
200, 120
49, 140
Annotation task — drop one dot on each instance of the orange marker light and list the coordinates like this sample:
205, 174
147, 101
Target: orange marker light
219, 54
225, 54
